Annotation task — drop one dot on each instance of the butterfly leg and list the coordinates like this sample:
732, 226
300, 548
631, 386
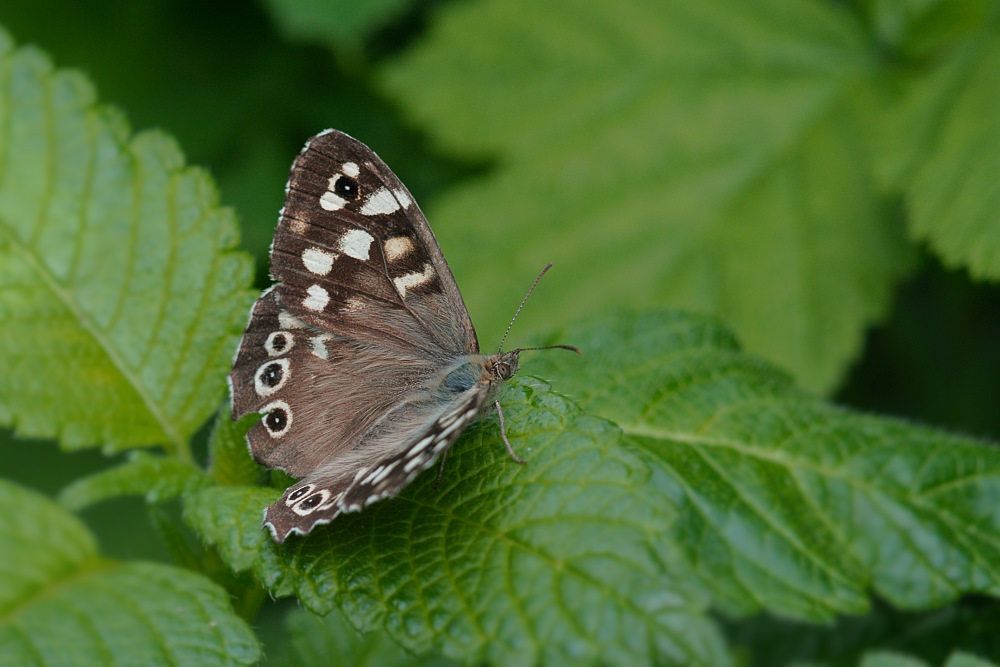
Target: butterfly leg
441, 469
503, 434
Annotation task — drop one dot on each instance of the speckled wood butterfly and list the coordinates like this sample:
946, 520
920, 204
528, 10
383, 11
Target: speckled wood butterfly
362, 357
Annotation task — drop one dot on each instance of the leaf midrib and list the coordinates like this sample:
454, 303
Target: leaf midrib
174, 438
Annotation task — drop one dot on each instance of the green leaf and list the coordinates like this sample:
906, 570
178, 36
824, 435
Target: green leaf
156, 478
710, 155
229, 458
229, 518
786, 503
61, 604
339, 24
959, 659
559, 561
969, 624
886, 659
314, 639
943, 149
121, 295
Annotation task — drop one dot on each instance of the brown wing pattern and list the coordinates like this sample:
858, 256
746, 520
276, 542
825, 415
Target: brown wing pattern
349, 355
355, 255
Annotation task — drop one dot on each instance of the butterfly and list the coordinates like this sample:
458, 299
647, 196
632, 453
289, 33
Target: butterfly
362, 357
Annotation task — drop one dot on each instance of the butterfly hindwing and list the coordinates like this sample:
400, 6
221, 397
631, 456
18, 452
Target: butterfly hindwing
358, 481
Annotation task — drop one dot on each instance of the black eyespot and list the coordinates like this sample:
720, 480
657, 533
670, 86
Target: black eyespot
347, 188
279, 342
276, 420
311, 501
272, 375
298, 493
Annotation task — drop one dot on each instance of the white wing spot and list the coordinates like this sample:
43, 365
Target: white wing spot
403, 197
413, 463
385, 472
458, 424
318, 261
356, 243
330, 200
297, 226
317, 299
381, 202
420, 446
359, 474
289, 321
318, 345
372, 474
351, 169
410, 280
398, 246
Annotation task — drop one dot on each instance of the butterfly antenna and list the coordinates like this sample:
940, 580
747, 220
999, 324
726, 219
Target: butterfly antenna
518, 311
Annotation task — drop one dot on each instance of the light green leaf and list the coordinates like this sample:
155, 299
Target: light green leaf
786, 503
121, 296
337, 23
960, 659
943, 148
315, 640
710, 155
156, 478
559, 561
886, 659
61, 604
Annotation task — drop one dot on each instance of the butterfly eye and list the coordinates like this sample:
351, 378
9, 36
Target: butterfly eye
346, 188
502, 369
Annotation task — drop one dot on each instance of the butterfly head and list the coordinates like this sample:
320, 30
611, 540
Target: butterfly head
505, 364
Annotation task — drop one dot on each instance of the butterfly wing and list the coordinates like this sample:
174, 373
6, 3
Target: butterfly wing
349, 355
356, 256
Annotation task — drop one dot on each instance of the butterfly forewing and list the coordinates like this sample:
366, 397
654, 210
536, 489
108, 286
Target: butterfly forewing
355, 255
362, 357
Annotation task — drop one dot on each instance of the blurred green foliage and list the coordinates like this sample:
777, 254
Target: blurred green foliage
822, 176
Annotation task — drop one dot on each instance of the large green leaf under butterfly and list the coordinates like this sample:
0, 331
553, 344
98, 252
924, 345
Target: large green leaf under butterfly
557, 562
120, 293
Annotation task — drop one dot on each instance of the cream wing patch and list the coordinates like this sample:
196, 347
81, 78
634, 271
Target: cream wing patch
411, 280
398, 247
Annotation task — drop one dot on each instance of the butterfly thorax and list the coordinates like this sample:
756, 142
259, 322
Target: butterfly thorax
491, 370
